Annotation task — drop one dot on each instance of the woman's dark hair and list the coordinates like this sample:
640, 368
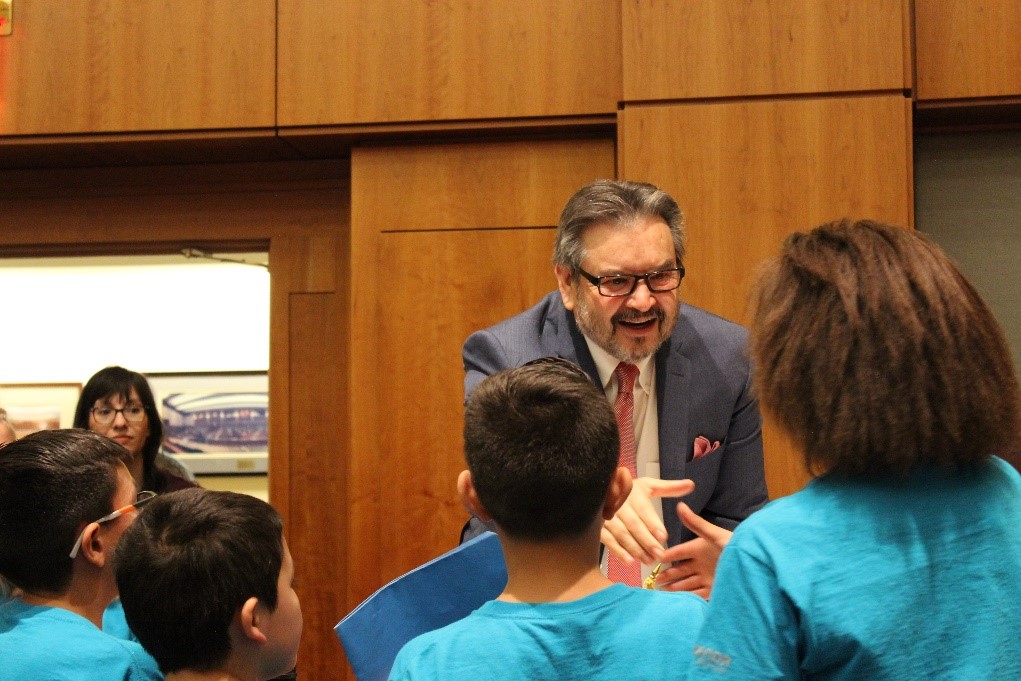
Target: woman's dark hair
119, 381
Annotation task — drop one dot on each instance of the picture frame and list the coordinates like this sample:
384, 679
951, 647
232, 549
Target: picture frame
215, 423
32, 407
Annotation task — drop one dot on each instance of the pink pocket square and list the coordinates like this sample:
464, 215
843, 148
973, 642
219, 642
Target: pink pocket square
702, 447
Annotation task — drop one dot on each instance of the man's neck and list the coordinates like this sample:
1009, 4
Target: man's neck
606, 363
552, 572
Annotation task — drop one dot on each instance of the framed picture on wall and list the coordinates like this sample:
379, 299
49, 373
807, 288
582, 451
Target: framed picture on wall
39, 406
215, 423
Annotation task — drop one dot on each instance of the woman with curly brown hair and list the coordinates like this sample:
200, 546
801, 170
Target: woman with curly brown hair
902, 558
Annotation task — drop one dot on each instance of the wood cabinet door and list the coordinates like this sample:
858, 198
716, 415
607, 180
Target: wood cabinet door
446, 240
86, 66
372, 61
749, 173
967, 49
694, 50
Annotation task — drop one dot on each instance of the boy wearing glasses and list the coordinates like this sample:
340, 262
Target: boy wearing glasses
541, 445
618, 258
207, 585
65, 499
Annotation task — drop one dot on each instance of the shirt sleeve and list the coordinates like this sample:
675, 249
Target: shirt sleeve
483, 355
751, 629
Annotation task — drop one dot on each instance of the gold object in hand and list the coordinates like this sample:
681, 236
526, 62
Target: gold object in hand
650, 581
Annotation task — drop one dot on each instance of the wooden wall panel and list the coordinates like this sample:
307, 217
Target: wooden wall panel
369, 61
416, 295
749, 173
682, 50
440, 185
473, 279
144, 207
78, 66
967, 48
317, 465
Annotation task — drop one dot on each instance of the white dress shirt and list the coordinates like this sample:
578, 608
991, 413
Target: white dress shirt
646, 421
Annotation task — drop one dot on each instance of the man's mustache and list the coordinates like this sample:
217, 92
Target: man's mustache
636, 316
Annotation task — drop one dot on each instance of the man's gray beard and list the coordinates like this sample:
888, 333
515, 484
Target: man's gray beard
583, 317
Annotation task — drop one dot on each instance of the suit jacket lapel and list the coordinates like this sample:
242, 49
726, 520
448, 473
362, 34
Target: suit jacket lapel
673, 383
561, 337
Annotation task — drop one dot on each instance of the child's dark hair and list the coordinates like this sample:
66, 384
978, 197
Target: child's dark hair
188, 563
52, 484
541, 444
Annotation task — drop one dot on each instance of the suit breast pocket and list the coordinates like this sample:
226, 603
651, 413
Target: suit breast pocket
704, 471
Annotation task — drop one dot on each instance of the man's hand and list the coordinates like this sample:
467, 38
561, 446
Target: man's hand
636, 530
694, 561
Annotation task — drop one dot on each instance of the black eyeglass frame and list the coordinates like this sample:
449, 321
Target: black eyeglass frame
123, 411
598, 281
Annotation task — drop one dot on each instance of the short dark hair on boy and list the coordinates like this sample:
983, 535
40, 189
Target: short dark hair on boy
186, 565
541, 444
877, 355
52, 483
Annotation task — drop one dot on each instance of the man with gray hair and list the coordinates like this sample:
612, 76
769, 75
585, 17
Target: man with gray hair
685, 410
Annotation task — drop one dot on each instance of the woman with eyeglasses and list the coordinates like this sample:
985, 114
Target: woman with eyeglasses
118, 404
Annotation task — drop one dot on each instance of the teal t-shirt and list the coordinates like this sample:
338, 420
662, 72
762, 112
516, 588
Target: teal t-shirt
52, 644
115, 624
614, 634
880, 580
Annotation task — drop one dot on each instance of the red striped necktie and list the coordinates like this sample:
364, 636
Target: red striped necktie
624, 409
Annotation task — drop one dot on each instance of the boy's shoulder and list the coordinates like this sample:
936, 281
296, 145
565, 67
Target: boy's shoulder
686, 610
69, 646
678, 601
528, 633
495, 614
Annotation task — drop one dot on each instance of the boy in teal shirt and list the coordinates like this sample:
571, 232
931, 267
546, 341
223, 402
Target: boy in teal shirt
65, 499
542, 449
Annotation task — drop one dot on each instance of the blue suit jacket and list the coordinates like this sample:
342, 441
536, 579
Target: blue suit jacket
702, 388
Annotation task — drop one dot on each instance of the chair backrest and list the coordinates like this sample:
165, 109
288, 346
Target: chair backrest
431, 596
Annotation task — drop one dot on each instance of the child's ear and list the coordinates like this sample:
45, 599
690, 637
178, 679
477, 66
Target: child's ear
469, 497
617, 494
248, 619
94, 548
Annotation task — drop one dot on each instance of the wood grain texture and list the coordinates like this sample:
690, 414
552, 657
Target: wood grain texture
967, 48
748, 174
723, 48
473, 280
368, 61
471, 186
416, 295
153, 206
317, 457
93, 66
